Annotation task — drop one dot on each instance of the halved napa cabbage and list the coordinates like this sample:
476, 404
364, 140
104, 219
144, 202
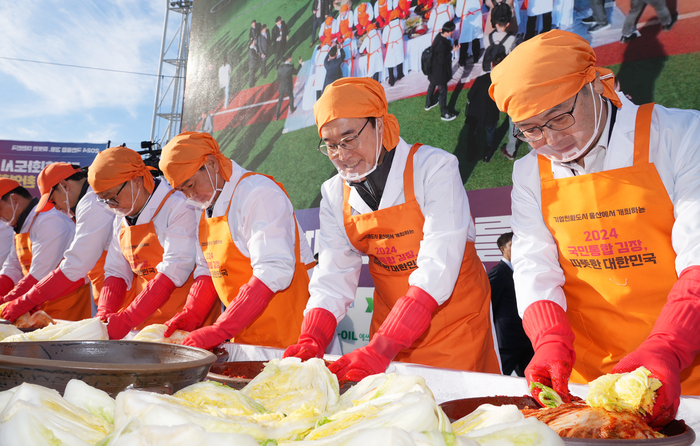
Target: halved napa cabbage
289, 385
37, 416
383, 384
393, 436
526, 432
86, 330
156, 333
165, 410
415, 411
135, 434
487, 415
92, 400
632, 392
8, 330
229, 401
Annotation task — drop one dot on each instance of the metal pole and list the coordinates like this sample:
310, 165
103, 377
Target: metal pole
160, 72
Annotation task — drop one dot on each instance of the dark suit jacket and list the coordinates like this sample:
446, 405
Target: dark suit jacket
325, 6
253, 33
333, 70
276, 34
285, 77
263, 42
509, 326
441, 67
481, 106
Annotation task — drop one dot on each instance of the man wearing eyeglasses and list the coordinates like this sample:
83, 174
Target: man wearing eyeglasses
406, 208
251, 251
65, 188
41, 238
605, 214
152, 249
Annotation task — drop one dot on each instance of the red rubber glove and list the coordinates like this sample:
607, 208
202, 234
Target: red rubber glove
53, 286
25, 284
111, 297
408, 319
548, 328
251, 301
316, 333
200, 299
6, 285
670, 347
153, 296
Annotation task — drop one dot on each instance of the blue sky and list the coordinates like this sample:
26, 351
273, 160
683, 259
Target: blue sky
40, 102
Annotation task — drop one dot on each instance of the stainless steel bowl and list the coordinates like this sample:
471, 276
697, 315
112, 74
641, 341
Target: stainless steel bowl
112, 366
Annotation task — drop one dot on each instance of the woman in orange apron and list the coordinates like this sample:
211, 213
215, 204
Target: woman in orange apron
152, 249
40, 242
432, 295
65, 187
595, 267
251, 251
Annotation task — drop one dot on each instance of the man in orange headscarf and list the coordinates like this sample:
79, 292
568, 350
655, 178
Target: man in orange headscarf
606, 251
362, 20
251, 250
404, 206
152, 251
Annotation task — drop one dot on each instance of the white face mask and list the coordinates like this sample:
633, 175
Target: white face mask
65, 211
119, 212
204, 201
14, 211
569, 140
360, 173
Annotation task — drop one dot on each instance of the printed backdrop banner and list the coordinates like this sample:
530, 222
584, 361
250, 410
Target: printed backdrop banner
24, 160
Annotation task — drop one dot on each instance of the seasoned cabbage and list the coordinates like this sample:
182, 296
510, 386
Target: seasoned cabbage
633, 392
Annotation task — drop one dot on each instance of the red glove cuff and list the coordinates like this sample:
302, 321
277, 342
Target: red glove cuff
251, 301
53, 286
153, 296
201, 298
408, 319
6, 285
545, 321
111, 296
318, 326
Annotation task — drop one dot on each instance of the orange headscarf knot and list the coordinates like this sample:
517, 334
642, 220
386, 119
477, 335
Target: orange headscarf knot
559, 64
186, 153
357, 97
118, 165
329, 20
344, 8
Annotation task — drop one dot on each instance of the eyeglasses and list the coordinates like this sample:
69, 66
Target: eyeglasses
112, 201
557, 123
349, 142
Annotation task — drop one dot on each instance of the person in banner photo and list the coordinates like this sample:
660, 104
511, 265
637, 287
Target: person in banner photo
41, 239
65, 188
152, 249
251, 250
392, 38
372, 46
406, 208
606, 253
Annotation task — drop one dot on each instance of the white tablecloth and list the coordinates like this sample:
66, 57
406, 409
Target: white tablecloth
449, 385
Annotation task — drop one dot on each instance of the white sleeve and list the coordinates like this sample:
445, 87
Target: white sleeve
116, 264
536, 270
93, 233
178, 240
335, 278
267, 226
11, 266
447, 223
51, 235
7, 242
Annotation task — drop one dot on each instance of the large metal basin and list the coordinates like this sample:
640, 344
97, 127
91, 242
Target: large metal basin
108, 365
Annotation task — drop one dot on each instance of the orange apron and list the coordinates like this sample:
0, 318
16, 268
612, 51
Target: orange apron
280, 324
140, 246
97, 277
459, 335
344, 26
71, 307
615, 249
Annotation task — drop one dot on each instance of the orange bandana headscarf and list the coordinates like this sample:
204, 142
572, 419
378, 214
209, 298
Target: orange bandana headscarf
559, 63
118, 165
357, 97
186, 153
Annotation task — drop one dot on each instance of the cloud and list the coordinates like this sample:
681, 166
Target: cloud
121, 35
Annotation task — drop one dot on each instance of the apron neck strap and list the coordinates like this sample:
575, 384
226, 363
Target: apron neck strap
408, 187
162, 202
642, 132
